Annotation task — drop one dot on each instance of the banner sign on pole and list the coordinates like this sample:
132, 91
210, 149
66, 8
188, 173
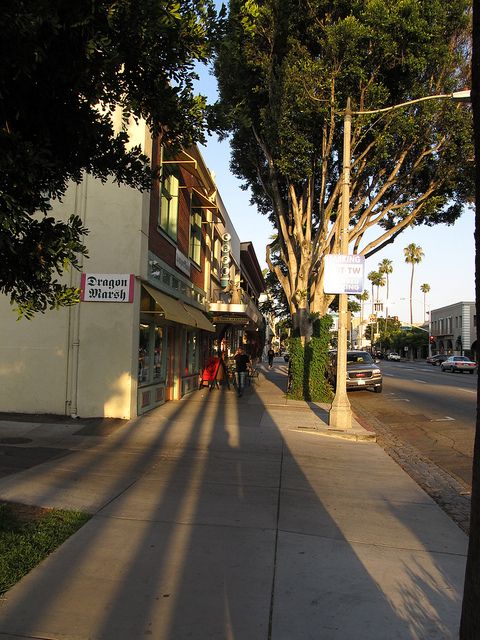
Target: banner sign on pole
344, 274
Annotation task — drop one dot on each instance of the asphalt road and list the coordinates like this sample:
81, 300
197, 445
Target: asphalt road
431, 410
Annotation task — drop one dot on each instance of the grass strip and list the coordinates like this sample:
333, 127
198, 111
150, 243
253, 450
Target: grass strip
28, 535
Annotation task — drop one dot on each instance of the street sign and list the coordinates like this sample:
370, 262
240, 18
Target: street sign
343, 274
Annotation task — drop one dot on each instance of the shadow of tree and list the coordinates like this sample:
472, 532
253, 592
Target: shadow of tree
215, 520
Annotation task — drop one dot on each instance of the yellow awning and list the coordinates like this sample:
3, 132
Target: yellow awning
206, 206
172, 309
205, 203
201, 321
177, 311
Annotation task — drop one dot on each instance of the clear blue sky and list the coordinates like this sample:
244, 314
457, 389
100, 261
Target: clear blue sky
449, 252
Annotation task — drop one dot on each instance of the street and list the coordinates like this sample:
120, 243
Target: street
428, 409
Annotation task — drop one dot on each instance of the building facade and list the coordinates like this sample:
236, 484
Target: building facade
144, 328
453, 329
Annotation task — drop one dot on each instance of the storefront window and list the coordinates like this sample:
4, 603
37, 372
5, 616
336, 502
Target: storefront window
143, 353
191, 353
158, 359
151, 354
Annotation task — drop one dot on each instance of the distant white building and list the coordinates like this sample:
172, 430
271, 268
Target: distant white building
454, 329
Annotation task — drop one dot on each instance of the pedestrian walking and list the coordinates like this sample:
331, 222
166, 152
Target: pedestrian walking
270, 354
242, 361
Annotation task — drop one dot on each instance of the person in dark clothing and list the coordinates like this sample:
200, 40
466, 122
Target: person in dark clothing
241, 366
270, 354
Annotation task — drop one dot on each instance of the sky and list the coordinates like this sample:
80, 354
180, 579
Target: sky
449, 251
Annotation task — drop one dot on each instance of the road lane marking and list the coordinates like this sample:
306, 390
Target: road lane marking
421, 381
446, 419
400, 400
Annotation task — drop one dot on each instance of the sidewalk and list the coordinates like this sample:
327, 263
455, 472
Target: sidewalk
236, 519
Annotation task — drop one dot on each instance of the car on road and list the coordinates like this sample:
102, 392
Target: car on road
362, 371
393, 356
458, 363
437, 359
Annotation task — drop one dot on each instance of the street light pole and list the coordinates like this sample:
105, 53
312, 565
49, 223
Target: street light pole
340, 416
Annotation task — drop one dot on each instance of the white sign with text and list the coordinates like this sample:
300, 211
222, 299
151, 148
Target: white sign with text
343, 274
107, 287
182, 262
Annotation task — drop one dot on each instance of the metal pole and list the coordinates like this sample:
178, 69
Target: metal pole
340, 416
429, 332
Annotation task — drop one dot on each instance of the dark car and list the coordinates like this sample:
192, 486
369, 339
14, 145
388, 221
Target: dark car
458, 363
362, 371
437, 360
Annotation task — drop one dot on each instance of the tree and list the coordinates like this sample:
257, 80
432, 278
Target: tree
385, 267
377, 280
413, 255
470, 620
285, 71
388, 330
65, 68
363, 297
425, 288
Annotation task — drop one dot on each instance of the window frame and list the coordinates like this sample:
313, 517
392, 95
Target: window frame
195, 239
169, 204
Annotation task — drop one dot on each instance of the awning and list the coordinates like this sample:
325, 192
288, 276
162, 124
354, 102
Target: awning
206, 205
177, 311
201, 321
172, 309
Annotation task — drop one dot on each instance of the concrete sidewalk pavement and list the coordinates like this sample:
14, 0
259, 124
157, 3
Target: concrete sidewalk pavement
233, 518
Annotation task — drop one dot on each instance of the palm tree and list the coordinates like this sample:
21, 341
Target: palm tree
385, 267
377, 279
413, 255
374, 276
363, 298
425, 288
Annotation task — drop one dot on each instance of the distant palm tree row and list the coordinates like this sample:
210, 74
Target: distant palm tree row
413, 255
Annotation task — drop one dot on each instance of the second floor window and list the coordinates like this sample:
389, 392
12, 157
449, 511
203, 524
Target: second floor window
168, 218
195, 235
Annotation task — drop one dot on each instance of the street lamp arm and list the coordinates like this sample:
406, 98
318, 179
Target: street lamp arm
460, 96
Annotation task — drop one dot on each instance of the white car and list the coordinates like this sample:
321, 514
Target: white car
459, 363
393, 356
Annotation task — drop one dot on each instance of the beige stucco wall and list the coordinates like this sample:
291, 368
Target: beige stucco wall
82, 360
33, 362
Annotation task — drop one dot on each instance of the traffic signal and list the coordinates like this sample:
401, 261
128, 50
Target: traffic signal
432, 339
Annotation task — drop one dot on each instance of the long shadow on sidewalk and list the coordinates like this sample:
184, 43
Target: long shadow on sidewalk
225, 524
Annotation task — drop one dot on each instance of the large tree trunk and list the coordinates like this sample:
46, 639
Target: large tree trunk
470, 622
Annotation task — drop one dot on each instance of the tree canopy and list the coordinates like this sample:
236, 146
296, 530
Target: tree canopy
65, 67
285, 72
